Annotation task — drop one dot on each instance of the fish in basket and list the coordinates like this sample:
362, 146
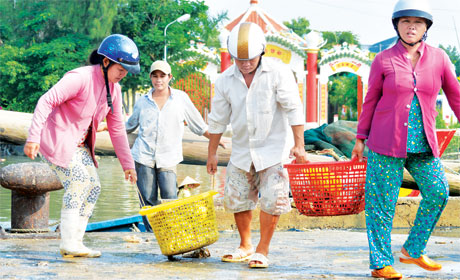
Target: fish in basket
184, 225
328, 188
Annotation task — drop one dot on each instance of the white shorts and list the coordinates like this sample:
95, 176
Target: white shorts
271, 183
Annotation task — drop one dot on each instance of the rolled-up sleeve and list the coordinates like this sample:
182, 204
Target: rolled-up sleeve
133, 121
219, 117
287, 95
193, 117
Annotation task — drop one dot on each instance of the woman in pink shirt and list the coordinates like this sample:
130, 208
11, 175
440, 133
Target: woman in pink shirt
398, 121
64, 127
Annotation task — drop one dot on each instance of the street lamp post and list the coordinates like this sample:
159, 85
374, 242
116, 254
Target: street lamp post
179, 19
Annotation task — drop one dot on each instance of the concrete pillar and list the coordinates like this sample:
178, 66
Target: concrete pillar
225, 59
314, 42
312, 90
30, 184
360, 96
29, 212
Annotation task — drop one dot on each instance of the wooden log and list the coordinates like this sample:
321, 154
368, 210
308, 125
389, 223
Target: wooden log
452, 179
14, 128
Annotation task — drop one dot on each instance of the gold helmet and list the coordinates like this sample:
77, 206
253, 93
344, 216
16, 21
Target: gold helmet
246, 41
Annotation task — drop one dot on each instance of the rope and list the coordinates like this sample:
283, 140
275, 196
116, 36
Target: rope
450, 169
140, 196
55, 223
29, 230
332, 153
213, 182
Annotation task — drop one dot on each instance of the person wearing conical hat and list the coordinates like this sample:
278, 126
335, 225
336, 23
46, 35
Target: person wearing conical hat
186, 185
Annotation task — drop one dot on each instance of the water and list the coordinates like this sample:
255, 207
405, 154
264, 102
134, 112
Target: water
118, 197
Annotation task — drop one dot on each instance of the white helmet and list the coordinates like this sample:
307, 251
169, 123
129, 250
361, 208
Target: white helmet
412, 8
246, 41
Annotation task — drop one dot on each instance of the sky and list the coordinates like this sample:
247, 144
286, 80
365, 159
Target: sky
369, 19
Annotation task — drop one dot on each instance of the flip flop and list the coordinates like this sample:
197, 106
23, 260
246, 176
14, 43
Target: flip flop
238, 256
258, 258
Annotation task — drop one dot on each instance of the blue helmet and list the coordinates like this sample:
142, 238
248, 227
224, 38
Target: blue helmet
120, 49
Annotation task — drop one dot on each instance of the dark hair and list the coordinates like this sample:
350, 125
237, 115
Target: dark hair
95, 58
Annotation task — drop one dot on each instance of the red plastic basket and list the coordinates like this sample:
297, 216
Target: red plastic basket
328, 188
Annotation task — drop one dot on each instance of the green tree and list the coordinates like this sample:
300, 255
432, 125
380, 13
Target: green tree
300, 26
339, 37
440, 124
454, 56
92, 18
145, 21
26, 73
43, 39
343, 91
37, 50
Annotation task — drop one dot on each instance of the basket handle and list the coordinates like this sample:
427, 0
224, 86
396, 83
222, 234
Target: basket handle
354, 160
213, 182
306, 162
140, 196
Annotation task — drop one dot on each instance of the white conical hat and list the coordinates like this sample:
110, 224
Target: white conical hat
188, 181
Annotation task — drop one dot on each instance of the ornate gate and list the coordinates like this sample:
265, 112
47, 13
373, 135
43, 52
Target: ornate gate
342, 58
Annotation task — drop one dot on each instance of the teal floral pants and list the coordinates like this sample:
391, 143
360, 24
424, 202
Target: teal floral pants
383, 179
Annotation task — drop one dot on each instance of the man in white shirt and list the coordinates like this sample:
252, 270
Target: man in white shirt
259, 98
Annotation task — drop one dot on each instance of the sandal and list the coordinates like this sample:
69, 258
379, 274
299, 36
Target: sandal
388, 272
423, 261
238, 256
258, 261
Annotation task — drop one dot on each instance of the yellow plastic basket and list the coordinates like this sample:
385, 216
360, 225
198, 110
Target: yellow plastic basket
184, 225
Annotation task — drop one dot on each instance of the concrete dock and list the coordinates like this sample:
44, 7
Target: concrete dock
310, 254
302, 248
406, 210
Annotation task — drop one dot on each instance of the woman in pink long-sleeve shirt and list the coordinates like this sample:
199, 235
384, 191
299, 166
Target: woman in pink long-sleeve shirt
398, 121
64, 127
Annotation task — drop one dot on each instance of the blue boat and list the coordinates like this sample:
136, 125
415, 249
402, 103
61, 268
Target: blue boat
126, 224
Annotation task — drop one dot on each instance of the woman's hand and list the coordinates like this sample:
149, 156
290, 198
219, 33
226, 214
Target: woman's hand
31, 149
130, 174
358, 150
102, 127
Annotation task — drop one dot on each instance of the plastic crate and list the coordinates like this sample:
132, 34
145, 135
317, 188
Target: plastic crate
184, 225
328, 188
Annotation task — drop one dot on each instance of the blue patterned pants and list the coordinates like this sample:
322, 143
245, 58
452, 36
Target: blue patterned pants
383, 179
80, 181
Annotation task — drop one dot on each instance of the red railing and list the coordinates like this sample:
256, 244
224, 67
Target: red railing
199, 90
